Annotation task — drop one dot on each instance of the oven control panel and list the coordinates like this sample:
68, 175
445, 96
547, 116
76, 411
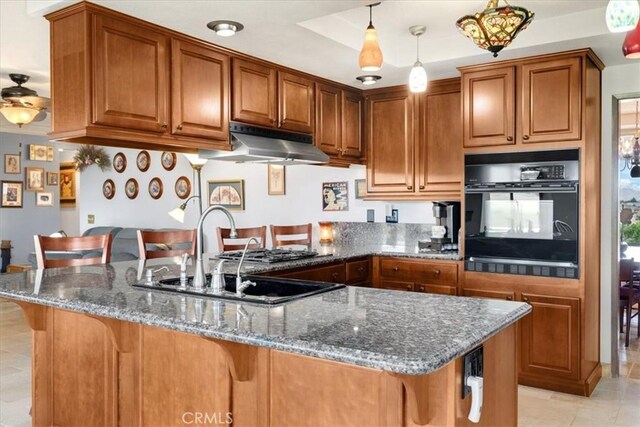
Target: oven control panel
542, 172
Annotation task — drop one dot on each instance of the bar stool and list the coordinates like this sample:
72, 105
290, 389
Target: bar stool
243, 234
278, 231
168, 243
100, 242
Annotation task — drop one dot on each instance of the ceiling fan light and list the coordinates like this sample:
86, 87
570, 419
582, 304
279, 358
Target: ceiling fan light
418, 78
631, 45
622, 15
225, 28
19, 115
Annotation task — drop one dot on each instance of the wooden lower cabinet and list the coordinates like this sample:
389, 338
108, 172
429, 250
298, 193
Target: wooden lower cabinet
395, 285
482, 293
416, 275
354, 273
436, 289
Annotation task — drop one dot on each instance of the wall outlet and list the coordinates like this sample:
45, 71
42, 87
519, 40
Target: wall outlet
91, 219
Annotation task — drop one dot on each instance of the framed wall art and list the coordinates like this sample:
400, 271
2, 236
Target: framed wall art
276, 180
52, 178
119, 162
12, 164
228, 193
108, 189
143, 161
361, 188
39, 153
168, 160
34, 178
155, 188
335, 196
183, 187
44, 199
67, 180
11, 194
131, 188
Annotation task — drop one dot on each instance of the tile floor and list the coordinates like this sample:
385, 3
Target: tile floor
615, 402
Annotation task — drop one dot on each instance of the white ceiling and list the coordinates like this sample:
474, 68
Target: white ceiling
324, 37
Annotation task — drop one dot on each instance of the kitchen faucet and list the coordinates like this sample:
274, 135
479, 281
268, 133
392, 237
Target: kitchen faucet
199, 279
240, 285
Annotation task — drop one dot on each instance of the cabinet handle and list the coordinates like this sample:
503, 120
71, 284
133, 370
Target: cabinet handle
360, 269
409, 287
164, 126
179, 127
509, 298
525, 137
335, 276
436, 272
421, 288
422, 187
525, 299
509, 138
273, 121
409, 187
396, 268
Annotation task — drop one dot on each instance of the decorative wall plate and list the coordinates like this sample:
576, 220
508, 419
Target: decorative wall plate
143, 161
155, 188
119, 162
168, 160
108, 189
131, 188
183, 187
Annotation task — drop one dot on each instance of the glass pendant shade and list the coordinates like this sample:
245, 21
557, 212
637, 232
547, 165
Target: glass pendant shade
418, 78
631, 45
370, 56
495, 27
178, 213
622, 15
625, 147
19, 115
195, 160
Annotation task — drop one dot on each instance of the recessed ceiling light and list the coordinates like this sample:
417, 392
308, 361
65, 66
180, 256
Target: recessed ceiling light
225, 28
368, 79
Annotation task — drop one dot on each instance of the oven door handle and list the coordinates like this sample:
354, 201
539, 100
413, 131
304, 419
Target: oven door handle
566, 190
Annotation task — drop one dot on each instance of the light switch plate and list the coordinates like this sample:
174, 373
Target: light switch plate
91, 219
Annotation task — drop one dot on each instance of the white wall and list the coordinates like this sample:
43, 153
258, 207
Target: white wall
618, 80
301, 204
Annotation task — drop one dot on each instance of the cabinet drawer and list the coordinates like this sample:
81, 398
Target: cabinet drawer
419, 271
396, 285
358, 271
331, 274
435, 289
482, 293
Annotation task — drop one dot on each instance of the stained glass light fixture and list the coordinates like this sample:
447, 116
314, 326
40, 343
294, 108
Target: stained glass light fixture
495, 27
622, 15
370, 56
631, 46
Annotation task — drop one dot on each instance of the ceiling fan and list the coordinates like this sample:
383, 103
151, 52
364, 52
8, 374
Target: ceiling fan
21, 105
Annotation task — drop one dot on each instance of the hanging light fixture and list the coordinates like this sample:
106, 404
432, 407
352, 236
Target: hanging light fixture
369, 79
622, 15
19, 115
495, 27
631, 45
370, 56
629, 148
418, 76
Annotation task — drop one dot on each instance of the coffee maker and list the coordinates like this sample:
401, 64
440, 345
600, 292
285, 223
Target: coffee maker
444, 235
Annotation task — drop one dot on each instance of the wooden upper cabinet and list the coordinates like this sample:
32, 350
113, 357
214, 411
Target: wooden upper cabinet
489, 107
295, 102
130, 78
352, 111
328, 135
551, 104
390, 142
254, 93
440, 158
200, 91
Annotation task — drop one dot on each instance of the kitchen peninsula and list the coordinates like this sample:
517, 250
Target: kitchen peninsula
352, 356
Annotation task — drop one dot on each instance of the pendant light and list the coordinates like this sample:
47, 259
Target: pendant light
370, 56
495, 27
631, 45
622, 15
418, 75
635, 170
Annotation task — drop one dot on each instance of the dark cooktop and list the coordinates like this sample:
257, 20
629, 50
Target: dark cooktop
269, 255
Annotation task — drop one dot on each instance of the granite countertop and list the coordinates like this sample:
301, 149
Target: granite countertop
402, 332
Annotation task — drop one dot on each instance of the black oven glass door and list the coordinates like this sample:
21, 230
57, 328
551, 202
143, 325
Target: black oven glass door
523, 224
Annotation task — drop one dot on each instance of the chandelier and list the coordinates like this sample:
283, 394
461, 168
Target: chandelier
495, 27
629, 148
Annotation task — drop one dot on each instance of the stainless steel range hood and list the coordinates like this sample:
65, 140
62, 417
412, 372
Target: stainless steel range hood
258, 145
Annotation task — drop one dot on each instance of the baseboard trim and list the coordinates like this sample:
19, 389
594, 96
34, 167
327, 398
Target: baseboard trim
580, 388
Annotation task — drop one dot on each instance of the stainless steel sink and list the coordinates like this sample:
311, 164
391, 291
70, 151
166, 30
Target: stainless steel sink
268, 290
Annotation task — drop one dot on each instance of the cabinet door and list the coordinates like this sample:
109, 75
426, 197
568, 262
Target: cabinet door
358, 271
295, 101
254, 93
396, 285
436, 289
200, 91
550, 336
390, 143
130, 76
352, 104
440, 158
489, 107
484, 293
551, 101
328, 119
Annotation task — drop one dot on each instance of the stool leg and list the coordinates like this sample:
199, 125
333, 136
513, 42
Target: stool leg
621, 315
627, 323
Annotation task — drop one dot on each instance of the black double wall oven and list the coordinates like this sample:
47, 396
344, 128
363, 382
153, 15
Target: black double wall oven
522, 213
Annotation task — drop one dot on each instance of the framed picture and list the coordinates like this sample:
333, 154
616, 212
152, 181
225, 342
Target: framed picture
131, 188
183, 187
361, 188
12, 163
52, 178
168, 160
119, 162
108, 189
34, 178
155, 188
67, 185
39, 152
143, 161
44, 199
276, 180
49, 153
229, 194
11, 194
335, 196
